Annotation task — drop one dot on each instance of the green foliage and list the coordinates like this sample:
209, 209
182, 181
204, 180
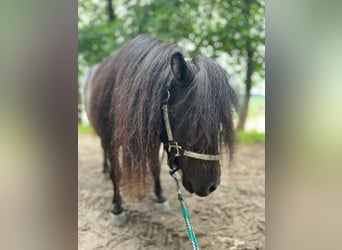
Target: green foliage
210, 27
250, 137
96, 43
236, 26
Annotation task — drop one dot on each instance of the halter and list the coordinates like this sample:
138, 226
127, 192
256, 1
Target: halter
173, 148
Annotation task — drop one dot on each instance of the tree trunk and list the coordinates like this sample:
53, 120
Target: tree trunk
244, 108
111, 14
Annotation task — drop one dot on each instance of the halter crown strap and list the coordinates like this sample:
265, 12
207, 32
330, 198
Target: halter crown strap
173, 147
167, 123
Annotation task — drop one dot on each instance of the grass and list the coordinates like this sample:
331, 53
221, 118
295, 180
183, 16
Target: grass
242, 136
250, 137
256, 106
82, 128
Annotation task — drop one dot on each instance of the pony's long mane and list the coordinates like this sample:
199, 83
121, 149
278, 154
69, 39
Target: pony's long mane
207, 106
135, 79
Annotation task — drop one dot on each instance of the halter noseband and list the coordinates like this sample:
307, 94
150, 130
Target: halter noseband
172, 146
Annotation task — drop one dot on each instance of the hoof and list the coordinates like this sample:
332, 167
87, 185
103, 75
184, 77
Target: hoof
119, 219
106, 176
105, 170
164, 206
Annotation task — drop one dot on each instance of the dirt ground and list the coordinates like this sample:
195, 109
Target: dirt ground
232, 217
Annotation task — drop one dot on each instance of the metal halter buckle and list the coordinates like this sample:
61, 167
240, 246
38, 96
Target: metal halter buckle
174, 148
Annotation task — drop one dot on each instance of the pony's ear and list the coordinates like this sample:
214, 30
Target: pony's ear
180, 69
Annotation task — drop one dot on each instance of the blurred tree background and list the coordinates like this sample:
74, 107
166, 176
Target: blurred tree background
230, 31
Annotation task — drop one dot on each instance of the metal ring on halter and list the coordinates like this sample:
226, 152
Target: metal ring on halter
167, 98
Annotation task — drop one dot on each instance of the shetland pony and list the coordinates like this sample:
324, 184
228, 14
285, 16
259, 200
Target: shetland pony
124, 99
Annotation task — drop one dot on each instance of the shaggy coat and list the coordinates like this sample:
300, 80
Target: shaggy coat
125, 106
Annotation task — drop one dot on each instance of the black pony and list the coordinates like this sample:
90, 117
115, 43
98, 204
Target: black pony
124, 99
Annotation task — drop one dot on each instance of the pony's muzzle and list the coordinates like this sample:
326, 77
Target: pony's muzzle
201, 188
205, 191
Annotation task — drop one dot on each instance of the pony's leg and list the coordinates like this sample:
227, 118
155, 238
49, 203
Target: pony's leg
118, 211
105, 169
157, 185
161, 200
115, 177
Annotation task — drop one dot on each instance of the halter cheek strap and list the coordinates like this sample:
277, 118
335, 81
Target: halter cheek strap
172, 146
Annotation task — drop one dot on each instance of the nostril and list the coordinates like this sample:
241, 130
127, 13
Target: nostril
212, 188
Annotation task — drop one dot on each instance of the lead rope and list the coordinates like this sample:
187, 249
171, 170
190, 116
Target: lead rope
185, 212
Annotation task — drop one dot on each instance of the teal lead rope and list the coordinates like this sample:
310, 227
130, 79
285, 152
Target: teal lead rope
186, 215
